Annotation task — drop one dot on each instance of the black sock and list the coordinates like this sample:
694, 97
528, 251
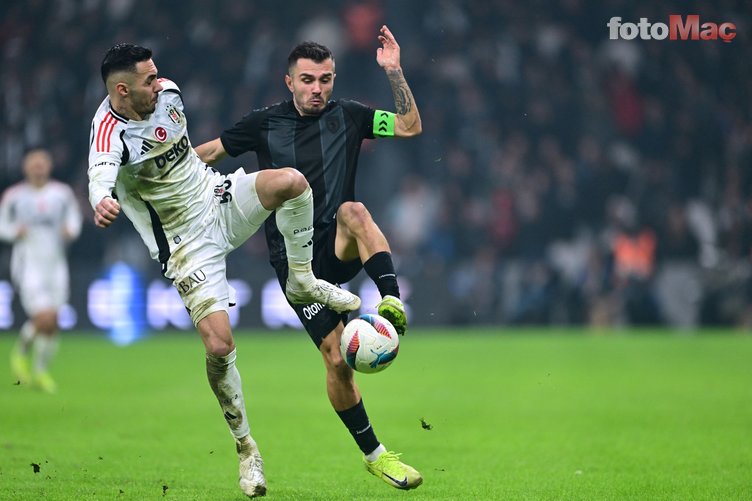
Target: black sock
356, 420
381, 270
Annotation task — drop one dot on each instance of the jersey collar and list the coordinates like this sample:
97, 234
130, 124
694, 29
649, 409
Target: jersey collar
117, 115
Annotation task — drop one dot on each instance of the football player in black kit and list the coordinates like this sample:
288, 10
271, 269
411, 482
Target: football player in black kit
322, 139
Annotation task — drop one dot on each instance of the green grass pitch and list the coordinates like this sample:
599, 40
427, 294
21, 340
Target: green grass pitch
525, 414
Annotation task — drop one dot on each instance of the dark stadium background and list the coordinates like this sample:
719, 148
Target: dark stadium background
543, 142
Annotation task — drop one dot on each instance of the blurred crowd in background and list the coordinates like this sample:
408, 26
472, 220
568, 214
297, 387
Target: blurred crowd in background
561, 178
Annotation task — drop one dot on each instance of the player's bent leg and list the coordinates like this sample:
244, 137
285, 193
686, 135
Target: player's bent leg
288, 192
341, 389
45, 348
20, 366
358, 236
216, 333
274, 187
225, 382
20, 359
346, 400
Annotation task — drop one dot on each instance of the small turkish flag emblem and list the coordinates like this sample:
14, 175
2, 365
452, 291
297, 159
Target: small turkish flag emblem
160, 134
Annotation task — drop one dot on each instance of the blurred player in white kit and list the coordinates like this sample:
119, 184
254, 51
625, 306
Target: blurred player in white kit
39, 216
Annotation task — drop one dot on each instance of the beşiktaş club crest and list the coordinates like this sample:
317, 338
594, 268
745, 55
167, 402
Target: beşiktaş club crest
174, 114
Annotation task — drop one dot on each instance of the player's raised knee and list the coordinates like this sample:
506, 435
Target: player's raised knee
292, 182
354, 214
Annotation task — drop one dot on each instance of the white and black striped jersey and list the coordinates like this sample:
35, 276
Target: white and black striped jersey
151, 168
46, 213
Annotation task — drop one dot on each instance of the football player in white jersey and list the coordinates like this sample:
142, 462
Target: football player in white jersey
190, 217
39, 216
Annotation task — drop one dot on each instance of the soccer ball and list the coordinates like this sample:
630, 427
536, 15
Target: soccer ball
369, 343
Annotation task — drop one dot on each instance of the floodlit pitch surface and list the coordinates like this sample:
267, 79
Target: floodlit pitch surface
532, 415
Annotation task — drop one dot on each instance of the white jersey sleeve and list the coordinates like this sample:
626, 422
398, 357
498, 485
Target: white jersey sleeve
8, 222
107, 152
72, 218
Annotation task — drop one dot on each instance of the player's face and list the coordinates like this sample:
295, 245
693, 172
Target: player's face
37, 167
144, 88
311, 84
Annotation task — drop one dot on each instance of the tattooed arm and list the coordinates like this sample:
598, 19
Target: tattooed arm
407, 121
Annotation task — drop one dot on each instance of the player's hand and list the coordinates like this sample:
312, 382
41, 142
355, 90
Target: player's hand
388, 56
106, 212
22, 231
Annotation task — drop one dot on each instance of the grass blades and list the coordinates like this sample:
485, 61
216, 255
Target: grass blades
525, 414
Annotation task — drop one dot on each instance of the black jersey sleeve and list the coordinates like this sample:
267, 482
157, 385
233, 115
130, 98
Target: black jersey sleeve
362, 115
243, 136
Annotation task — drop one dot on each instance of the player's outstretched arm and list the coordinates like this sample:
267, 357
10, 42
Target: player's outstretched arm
72, 221
103, 171
211, 152
407, 121
10, 231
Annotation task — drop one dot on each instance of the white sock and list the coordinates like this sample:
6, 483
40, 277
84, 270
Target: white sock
25, 338
45, 348
378, 451
224, 380
245, 446
295, 223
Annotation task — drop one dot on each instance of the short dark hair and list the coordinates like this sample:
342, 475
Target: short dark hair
123, 57
309, 50
35, 148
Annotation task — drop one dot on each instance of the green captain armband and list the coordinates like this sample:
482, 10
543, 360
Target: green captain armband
383, 123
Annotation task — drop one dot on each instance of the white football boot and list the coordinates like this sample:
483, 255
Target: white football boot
252, 481
321, 291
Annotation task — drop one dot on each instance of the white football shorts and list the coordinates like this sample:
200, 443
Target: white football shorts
197, 264
42, 286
